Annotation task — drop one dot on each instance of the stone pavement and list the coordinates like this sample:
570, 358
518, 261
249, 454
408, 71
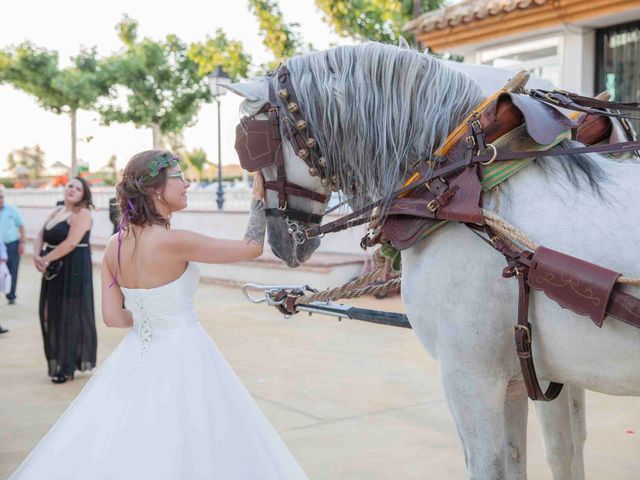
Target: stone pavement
350, 399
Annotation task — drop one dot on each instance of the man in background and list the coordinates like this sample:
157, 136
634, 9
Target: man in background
3, 259
12, 234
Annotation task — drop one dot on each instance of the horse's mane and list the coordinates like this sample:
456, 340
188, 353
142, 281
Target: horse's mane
376, 109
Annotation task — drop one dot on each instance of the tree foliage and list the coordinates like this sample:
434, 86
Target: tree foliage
197, 158
378, 20
157, 85
282, 39
27, 159
219, 50
35, 71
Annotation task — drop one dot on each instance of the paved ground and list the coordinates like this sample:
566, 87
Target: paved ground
351, 400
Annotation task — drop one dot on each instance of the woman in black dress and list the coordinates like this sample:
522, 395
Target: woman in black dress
62, 253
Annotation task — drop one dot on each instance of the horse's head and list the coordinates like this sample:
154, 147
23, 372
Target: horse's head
353, 118
296, 193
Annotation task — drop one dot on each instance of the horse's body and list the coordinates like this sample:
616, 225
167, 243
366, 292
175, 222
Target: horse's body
460, 307
463, 312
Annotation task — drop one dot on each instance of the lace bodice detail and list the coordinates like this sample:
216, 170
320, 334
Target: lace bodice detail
162, 310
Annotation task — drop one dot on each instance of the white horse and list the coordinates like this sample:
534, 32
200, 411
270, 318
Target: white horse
374, 110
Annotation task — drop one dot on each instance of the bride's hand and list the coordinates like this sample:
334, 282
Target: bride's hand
258, 186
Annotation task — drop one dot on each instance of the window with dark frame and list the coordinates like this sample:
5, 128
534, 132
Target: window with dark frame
618, 63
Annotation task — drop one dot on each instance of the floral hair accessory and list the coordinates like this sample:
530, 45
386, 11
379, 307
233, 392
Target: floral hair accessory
162, 161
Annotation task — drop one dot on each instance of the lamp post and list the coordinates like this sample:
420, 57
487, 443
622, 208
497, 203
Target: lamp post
216, 80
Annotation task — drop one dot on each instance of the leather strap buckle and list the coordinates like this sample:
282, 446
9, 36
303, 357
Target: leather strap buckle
433, 206
527, 332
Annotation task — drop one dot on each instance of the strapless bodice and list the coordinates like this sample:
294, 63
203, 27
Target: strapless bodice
165, 309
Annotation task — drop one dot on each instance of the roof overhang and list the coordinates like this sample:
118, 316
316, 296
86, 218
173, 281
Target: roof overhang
475, 23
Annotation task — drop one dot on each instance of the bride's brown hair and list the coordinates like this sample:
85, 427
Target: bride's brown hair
138, 185
144, 176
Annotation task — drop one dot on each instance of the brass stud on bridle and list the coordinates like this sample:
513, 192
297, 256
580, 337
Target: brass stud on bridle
322, 162
313, 172
292, 107
303, 153
311, 142
325, 182
301, 124
283, 93
334, 187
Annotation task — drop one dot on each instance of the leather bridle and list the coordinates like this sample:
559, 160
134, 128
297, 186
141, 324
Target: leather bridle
259, 145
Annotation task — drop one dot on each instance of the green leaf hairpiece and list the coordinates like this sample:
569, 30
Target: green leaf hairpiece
162, 161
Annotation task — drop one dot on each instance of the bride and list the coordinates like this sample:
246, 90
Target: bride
165, 404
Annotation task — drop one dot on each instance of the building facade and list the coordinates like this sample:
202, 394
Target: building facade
584, 46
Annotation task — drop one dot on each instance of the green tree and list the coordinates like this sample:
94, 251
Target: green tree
35, 70
197, 158
158, 85
219, 50
112, 168
11, 161
379, 20
29, 160
282, 39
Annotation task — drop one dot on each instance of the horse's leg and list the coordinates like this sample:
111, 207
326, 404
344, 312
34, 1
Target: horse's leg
477, 406
555, 424
578, 430
516, 408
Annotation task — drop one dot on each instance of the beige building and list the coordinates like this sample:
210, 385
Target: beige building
585, 46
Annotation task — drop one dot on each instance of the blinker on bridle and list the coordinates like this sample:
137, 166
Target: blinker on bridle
259, 145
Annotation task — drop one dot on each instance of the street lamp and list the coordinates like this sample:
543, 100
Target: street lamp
216, 80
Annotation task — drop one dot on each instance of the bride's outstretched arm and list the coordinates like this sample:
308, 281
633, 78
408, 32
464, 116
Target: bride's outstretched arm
191, 246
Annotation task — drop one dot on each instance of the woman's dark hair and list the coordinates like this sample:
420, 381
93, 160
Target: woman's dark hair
87, 197
135, 196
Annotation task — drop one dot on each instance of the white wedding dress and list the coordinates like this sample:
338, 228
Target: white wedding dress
164, 405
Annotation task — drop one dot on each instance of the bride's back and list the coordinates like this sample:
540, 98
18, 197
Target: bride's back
145, 258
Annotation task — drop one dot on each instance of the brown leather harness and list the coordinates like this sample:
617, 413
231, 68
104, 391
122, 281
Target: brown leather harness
448, 187
259, 145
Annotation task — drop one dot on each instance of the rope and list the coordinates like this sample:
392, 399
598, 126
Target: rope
358, 287
364, 285
511, 234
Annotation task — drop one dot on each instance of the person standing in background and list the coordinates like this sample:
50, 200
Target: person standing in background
12, 234
114, 214
63, 254
3, 260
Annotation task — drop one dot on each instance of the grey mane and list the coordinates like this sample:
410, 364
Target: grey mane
376, 110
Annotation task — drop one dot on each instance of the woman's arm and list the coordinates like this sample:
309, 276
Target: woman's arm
191, 246
80, 224
113, 314
37, 250
39, 242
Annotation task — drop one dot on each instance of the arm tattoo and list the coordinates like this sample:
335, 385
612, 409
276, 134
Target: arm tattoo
257, 223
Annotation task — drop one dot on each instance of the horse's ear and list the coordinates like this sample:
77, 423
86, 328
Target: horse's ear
402, 43
252, 90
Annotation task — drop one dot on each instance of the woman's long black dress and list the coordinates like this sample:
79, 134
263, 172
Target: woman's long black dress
66, 307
